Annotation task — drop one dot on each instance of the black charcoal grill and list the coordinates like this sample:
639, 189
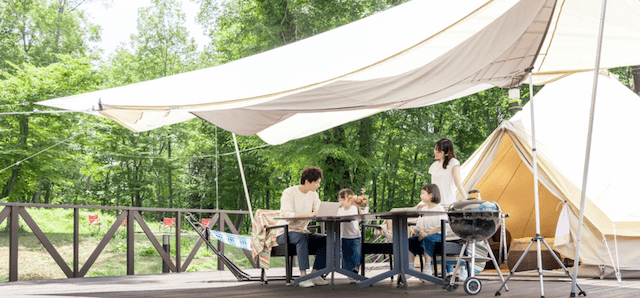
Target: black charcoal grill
473, 220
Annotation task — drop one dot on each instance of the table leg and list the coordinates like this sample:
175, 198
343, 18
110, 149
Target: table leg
403, 239
403, 247
329, 260
335, 252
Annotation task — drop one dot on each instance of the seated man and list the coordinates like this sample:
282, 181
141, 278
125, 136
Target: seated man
303, 201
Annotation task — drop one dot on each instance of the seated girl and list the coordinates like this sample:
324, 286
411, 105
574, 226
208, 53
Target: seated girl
428, 227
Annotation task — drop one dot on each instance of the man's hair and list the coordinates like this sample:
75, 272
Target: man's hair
434, 191
311, 174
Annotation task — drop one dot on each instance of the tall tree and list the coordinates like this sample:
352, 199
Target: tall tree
24, 135
37, 31
162, 42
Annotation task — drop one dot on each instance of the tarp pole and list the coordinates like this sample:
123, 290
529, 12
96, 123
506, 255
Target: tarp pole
217, 194
535, 180
588, 152
244, 181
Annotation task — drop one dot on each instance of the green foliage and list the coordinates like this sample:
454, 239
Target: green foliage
191, 164
203, 266
240, 28
28, 134
39, 31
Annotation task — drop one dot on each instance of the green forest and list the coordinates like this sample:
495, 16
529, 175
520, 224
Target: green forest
75, 158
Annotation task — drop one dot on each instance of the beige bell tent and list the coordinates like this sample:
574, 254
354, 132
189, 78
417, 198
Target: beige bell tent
501, 169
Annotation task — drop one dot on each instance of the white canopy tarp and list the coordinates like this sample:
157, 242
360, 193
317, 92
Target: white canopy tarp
418, 53
612, 196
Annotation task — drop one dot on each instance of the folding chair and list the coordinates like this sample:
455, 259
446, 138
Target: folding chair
380, 247
287, 251
168, 223
93, 220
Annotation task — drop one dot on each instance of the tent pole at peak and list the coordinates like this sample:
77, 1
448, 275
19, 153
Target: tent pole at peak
588, 152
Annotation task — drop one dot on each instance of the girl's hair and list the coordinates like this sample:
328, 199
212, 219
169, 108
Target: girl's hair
446, 146
434, 191
345, 193
311, 174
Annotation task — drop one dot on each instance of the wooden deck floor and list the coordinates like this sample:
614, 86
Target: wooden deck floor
224, 284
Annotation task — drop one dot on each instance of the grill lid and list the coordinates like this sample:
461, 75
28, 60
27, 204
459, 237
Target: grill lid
474, 219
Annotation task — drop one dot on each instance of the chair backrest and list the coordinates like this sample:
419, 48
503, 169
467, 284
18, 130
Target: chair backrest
169, 222
93, 219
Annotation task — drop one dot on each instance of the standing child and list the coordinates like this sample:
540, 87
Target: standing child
349, 232
428, 227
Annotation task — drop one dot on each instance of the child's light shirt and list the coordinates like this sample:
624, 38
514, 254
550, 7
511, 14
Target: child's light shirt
349, 229
430, 222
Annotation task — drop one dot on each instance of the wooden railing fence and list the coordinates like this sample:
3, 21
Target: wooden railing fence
15, 210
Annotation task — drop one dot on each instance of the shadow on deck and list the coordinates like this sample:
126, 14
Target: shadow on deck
224, 284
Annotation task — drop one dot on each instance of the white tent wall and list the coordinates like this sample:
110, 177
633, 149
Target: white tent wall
595, 251
570, 45
560, 136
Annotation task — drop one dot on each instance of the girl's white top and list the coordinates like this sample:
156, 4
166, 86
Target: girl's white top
430, 222
349, 229
443, 178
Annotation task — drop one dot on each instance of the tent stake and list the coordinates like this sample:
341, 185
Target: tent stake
588, 152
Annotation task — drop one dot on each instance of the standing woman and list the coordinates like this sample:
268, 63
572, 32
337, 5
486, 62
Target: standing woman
445, 171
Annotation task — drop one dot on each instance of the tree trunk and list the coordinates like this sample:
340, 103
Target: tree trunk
56, 47
267, 196
415, 176
375, 192
47, 193
36, 195
104, 192
336, 172
382, 193
636, 78
8, 187
485, 109
89, 181
393, 186
15, 171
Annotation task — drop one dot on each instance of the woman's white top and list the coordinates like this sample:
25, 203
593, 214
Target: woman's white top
349, 229
430, 222
443, 178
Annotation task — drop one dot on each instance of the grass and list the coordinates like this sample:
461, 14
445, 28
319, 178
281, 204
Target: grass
34, 262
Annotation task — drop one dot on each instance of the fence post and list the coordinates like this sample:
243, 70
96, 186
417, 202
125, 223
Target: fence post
178, 232
13, 243
166, 245
76, 240
130, 244
220, 243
